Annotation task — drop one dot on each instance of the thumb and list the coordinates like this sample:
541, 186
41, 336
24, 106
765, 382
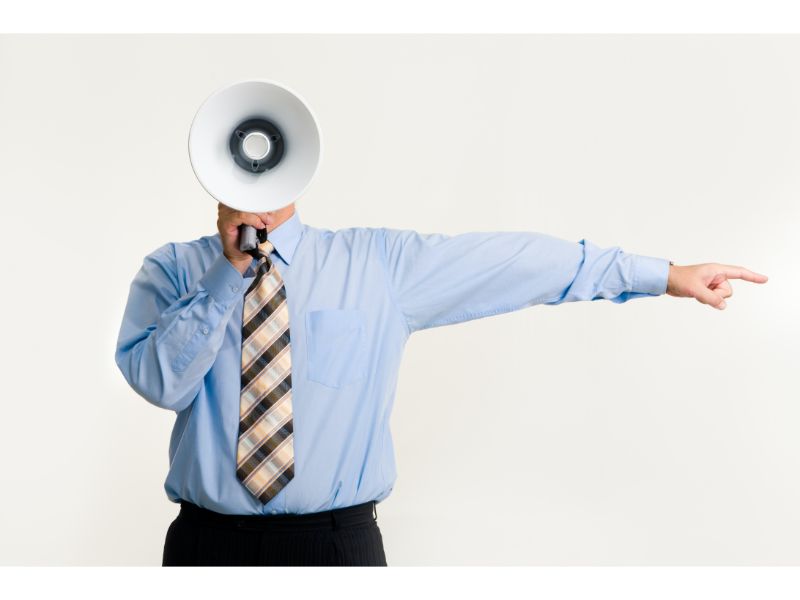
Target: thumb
710, 297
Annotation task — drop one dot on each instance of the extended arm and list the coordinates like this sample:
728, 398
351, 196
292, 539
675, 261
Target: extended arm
439, 279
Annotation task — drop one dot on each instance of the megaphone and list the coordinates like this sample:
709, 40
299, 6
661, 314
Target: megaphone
254, 146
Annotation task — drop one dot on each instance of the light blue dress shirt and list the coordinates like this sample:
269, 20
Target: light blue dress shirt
354, 296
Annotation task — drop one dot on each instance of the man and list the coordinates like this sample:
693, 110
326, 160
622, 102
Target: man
282, 365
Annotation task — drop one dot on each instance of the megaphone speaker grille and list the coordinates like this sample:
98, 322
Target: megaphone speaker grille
256, 145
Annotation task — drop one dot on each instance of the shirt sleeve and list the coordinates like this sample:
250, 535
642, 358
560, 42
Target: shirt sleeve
439, 279
167, 341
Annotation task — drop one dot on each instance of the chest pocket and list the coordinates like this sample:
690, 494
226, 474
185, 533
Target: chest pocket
336, 346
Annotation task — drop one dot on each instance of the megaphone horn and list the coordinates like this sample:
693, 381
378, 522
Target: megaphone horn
254, 146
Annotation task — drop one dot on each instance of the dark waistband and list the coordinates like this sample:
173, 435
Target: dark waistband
350, 516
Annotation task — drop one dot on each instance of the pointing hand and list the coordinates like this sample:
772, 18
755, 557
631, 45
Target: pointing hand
708, 282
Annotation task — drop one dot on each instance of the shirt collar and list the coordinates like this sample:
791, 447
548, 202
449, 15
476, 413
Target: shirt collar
286, 236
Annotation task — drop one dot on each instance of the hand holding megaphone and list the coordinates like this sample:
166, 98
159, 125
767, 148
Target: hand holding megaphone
229, 225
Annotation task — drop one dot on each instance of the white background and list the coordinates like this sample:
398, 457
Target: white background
654, 432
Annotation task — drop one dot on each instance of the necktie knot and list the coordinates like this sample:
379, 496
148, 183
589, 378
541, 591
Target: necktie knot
266, 248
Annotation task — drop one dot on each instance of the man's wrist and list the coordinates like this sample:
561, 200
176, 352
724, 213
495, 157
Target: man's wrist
240, 265
671, 277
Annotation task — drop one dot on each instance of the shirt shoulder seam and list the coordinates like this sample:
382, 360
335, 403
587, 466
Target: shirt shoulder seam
389, 287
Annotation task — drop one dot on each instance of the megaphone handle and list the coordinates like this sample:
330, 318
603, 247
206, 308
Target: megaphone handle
248, 237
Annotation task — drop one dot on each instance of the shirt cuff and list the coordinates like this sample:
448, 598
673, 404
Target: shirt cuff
223, 281
650, 274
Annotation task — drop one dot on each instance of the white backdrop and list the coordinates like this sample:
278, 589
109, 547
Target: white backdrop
654, 432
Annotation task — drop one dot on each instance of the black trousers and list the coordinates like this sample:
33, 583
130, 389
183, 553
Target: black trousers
340, 537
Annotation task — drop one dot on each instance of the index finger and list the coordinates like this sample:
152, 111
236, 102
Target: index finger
733, 272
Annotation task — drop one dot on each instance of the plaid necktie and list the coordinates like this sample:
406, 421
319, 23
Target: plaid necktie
265, 451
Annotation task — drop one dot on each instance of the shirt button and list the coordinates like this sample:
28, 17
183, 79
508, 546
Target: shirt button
235, 288
205, 330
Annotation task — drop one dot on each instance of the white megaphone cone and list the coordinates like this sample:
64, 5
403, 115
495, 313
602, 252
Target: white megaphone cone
254, 146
